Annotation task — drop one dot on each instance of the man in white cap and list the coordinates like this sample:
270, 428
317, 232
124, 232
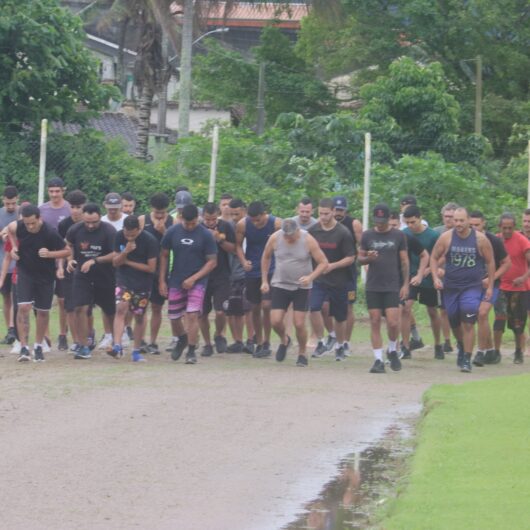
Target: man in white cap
114, 215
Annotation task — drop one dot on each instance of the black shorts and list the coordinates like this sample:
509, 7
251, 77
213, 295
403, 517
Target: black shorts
351, 290
282, 298
237, 304
155, 296
68, 292
36, 291
253, 290
510, 308
427, 296
8, 282
338, 300
217, 293
59, 288
382, 300
89, 291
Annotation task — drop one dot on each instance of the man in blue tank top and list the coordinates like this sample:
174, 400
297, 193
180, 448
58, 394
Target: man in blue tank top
255, 229
467, 253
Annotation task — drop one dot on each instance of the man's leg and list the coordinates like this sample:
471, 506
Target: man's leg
122, 309
406, 317
81, 318
23, 313
156, 322
42, 320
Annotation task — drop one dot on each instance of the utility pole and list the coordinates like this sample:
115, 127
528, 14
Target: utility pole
261, 99
478, 96
162, 94
185, 70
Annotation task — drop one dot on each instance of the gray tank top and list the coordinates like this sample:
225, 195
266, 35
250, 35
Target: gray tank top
292, 261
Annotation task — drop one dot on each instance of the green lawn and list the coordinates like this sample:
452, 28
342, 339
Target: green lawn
471, 467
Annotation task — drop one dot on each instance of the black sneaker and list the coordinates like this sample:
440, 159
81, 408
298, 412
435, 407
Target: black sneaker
447, 347
281, 352
416, 344
330, 343
301, 361
460, 359
207, 351
130, 333
143, 347
179, 347
319, 350
495, 356
479, 359
191, 358
24, 355
62, 343
261, 351
10, 337
378, 367
220, 343
518, 357
395, 363
439, 352
405, 352
466, 363
38, 356
153, 349
266, 348
249, 347
339, 354
236, 347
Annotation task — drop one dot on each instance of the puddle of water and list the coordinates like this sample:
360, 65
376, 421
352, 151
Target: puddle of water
365, 480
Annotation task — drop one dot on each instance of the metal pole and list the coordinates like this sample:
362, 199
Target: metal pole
213, 164
528, 195
185, 70
366, 191
162, 95
42, 160
478, 96
261, 99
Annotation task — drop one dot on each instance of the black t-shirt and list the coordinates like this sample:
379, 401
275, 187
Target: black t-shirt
147, 247
92, 244
150, 227
222, 270
28, 250
64, 226
499, 252
384, 273
336, 244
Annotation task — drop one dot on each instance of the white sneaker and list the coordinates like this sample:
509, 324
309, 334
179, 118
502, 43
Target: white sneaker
347, 350
105, 343
45, 347
125, 341
16, 347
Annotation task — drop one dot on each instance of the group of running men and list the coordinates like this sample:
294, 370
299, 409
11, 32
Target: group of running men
259, 272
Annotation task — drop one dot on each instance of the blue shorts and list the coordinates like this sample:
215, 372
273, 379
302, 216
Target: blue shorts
462, 305
494, 296
338, 300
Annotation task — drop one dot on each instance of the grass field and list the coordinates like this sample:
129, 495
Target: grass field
471, 467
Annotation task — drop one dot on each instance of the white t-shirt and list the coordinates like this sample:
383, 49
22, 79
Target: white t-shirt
118, 225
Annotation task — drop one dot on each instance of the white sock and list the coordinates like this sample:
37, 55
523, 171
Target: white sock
378, 354
37, 344
392, 345
108, 335
332, 334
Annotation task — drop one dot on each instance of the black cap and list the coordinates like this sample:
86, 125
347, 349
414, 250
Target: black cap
408, 200
340, 203
381, 213
56, 182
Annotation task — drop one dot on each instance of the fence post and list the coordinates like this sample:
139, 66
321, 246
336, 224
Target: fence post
366, 191
213, 164
42, 160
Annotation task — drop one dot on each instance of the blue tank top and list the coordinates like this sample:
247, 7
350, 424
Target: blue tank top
256, 239
464, 265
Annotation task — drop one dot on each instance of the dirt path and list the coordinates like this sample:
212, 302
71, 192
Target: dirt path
232, 443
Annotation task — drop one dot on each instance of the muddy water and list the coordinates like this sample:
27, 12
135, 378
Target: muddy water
365, 481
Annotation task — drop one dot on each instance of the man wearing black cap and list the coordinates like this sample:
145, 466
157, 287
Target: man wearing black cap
182, 198
385, 249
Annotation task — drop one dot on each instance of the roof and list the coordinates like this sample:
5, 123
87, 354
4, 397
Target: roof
111, 124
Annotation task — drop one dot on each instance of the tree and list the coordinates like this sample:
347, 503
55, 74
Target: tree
45, 69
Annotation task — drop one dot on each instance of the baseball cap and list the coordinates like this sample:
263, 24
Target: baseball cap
408, 200
289, 227
56, 182
381, 213
112, 200
183, 198
340, 202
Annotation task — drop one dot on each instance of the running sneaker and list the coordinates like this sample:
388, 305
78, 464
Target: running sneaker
172, 344
91, 340
319, 350
16, 347
439, 352
62, 343
249, 347
266, 349
137, 357
38, 355
330, 343
262, 351
518, 357
24, 355
83, 353
220, 343
494, 356
153, 349
339, 354
10, 338
405, 352
143, 347
236, 347
46, 345
129, 331
466, 363
179, 347
116, 351
191, 358
281, 352
207, 350
347, 349
395, 363
447, 347
416, 344
378, 367
302, 361
460, 357
105, 343
479, 359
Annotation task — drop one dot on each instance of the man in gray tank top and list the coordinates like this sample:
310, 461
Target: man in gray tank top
294, 251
